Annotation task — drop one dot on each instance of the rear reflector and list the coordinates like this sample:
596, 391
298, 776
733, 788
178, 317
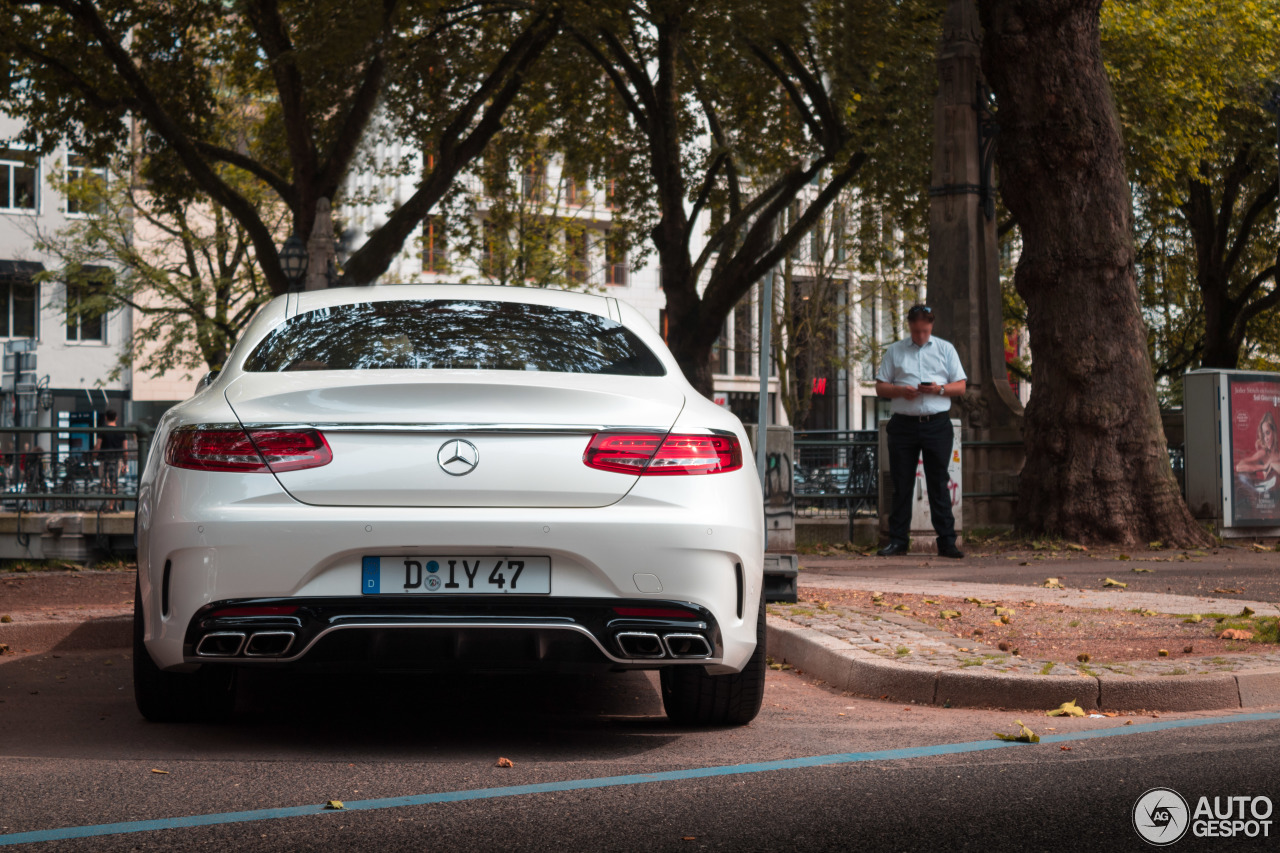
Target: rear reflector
654, 613
258, 451
652, 453
256, 610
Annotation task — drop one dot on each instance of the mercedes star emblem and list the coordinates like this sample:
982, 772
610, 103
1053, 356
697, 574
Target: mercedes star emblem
458, 457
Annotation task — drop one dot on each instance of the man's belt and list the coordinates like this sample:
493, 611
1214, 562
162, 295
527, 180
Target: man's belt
923, 418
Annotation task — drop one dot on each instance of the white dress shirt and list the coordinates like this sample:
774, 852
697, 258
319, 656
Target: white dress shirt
904, 363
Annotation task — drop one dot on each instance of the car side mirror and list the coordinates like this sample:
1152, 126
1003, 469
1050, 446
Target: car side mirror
208, 378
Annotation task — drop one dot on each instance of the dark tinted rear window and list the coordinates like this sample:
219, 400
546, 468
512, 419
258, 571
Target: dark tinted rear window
453, 335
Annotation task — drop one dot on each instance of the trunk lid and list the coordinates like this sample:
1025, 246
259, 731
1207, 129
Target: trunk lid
453, 439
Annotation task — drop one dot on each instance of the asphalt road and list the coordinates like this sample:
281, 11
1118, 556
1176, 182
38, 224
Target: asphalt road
73, 752
1235, 572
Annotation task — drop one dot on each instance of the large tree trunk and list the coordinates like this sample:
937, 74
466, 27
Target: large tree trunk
1097, 464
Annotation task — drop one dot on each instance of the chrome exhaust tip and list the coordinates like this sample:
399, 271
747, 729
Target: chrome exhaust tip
687, 645
640, 644
220, 644
268, 644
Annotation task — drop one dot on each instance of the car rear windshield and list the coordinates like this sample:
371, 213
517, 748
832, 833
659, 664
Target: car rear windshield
441, 334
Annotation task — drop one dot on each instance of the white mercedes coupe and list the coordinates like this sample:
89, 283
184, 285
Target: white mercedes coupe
435, 477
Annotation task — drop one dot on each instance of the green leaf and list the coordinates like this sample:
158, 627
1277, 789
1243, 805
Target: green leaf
950, 614
1111, 582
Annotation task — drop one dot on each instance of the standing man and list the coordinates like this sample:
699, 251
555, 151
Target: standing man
919, 377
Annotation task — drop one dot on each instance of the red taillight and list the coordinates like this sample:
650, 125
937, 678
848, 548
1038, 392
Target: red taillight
256, 452
649, 453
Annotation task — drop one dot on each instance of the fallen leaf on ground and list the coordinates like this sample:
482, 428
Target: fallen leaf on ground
6, 618
972, 600
1113, 582
1083, 657
1066, 709
1247, 612
949, 614
1164, 653
1065, 748
1052, 583
901, 607
505, 762
163, 772
1024, 735
1222, 590
1128, 722
1146, 612
1188, 649
1109, 714
1142, 571
334, 805
1074, 547
1194, 619
1235, 634
930, 601
1123, 557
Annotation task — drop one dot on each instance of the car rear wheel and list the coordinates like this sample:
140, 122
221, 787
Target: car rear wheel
692, 697
206, 695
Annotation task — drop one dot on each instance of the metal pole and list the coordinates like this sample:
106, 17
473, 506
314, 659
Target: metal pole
766, 332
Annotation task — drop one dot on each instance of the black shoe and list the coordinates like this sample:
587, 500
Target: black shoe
892, 549
950, 551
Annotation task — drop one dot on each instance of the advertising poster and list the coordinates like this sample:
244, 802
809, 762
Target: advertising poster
1254, 447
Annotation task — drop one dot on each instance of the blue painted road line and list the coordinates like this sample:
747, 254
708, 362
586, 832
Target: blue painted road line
64, 833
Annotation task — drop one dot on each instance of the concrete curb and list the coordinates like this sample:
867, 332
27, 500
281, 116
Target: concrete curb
866, 674
107, 632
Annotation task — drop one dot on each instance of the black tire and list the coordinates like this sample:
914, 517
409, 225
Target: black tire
207, 695
691, 697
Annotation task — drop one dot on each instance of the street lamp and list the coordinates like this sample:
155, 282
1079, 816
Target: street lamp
293, 262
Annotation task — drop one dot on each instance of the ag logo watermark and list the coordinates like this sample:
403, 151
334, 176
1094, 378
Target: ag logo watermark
1161, 816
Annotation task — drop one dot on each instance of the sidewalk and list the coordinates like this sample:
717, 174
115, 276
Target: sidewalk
883, 653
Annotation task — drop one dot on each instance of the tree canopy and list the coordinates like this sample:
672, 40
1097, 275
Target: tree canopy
1191, 80
305, 77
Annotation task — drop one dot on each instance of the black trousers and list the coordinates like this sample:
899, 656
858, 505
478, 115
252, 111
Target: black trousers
910, 439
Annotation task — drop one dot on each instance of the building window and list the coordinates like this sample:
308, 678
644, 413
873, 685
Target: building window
86, 319
435, 246
18, 179
720, 355
576, 266
615, 261
533, 182
611, 194
19, 302
490, 257
575, 191
78, 169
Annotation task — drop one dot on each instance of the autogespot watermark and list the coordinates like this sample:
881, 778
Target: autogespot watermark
1162, 816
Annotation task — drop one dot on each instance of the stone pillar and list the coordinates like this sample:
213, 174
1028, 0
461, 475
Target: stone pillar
964, 269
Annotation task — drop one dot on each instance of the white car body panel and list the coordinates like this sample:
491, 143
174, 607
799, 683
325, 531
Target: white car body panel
610, 536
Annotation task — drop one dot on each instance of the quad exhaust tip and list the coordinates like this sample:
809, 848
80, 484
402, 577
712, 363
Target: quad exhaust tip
641, 644
221, 644
687, 645
266, 644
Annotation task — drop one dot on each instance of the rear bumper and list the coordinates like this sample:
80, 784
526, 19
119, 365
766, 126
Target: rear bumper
464, 632
201, 546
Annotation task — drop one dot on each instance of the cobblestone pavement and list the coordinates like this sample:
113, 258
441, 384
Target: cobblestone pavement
913, 643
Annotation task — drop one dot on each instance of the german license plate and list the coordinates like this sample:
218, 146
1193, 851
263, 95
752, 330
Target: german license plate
449, 575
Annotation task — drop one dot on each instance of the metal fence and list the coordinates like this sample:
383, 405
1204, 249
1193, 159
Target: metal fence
836, 473
58, 469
